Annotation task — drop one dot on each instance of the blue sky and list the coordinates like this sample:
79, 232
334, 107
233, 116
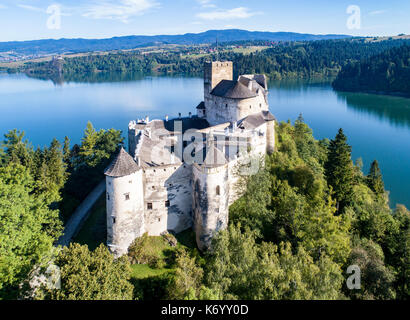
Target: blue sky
28, 19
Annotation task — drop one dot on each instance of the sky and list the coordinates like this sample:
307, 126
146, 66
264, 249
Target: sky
45, 19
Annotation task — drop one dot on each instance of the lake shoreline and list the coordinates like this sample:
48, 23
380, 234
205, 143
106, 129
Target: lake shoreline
379, 93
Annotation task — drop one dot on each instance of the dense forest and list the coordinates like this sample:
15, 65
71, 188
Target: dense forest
388, 73
304, 218
284, 60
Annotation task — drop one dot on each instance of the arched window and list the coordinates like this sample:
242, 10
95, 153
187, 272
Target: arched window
218, 190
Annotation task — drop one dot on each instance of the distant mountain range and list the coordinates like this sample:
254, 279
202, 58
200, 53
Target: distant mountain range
49, 46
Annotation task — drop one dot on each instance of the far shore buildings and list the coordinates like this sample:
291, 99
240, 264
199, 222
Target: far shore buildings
182, 173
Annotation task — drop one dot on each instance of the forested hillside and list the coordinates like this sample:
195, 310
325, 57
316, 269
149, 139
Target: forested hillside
51, 46
306, 216
388, 72
286, 60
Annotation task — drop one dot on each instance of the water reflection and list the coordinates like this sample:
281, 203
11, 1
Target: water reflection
99, 77
395, 110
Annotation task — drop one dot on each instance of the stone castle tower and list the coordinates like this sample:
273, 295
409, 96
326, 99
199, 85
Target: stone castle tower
181, 173
226, 100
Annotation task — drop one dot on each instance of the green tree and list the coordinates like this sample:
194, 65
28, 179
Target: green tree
88, 145
376, 279
188, 277
372, 218
28, 227
91, 275
339, 170
67, 152
52, 172
239, 268
397, 248
375, 179
16, 149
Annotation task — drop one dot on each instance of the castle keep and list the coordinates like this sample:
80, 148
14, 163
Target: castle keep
182, 173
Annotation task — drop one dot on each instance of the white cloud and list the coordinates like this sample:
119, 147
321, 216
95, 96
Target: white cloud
2, 6
31, 8
377, 12
118, 10
230, 14
206, 3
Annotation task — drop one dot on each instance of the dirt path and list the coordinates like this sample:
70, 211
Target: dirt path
80, 215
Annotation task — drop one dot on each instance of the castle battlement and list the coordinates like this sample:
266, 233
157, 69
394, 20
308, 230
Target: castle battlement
182, 173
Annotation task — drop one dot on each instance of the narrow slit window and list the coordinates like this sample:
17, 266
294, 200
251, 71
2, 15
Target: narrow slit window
167, 204
127, 196
218, 190
149, 206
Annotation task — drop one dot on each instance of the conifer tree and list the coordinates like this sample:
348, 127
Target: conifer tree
339, 170
375, 179
67, 151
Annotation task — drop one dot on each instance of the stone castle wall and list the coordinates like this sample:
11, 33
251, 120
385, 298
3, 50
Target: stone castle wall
220, 110
210, 200
125, 198
169, 193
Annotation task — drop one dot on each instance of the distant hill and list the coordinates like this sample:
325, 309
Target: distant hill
42, 47
386, 73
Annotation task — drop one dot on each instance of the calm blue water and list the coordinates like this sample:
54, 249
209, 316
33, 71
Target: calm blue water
378, 127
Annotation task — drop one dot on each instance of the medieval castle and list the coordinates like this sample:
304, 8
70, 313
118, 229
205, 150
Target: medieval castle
183, 173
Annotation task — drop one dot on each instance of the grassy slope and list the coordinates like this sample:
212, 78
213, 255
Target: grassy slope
93, 233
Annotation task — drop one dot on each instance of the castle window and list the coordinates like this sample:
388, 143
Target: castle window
108, 196
167, 204
260, 105
159, 219
113, 220
218, 190
153, 187
149, 206
130, 181
250, 107
127, 196
226, 106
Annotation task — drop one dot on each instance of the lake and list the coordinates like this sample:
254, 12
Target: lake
378, 127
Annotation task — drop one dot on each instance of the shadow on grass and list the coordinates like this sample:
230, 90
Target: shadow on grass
94, 231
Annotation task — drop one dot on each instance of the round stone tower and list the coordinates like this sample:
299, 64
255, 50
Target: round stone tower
125, 203
210, 196
270, 132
